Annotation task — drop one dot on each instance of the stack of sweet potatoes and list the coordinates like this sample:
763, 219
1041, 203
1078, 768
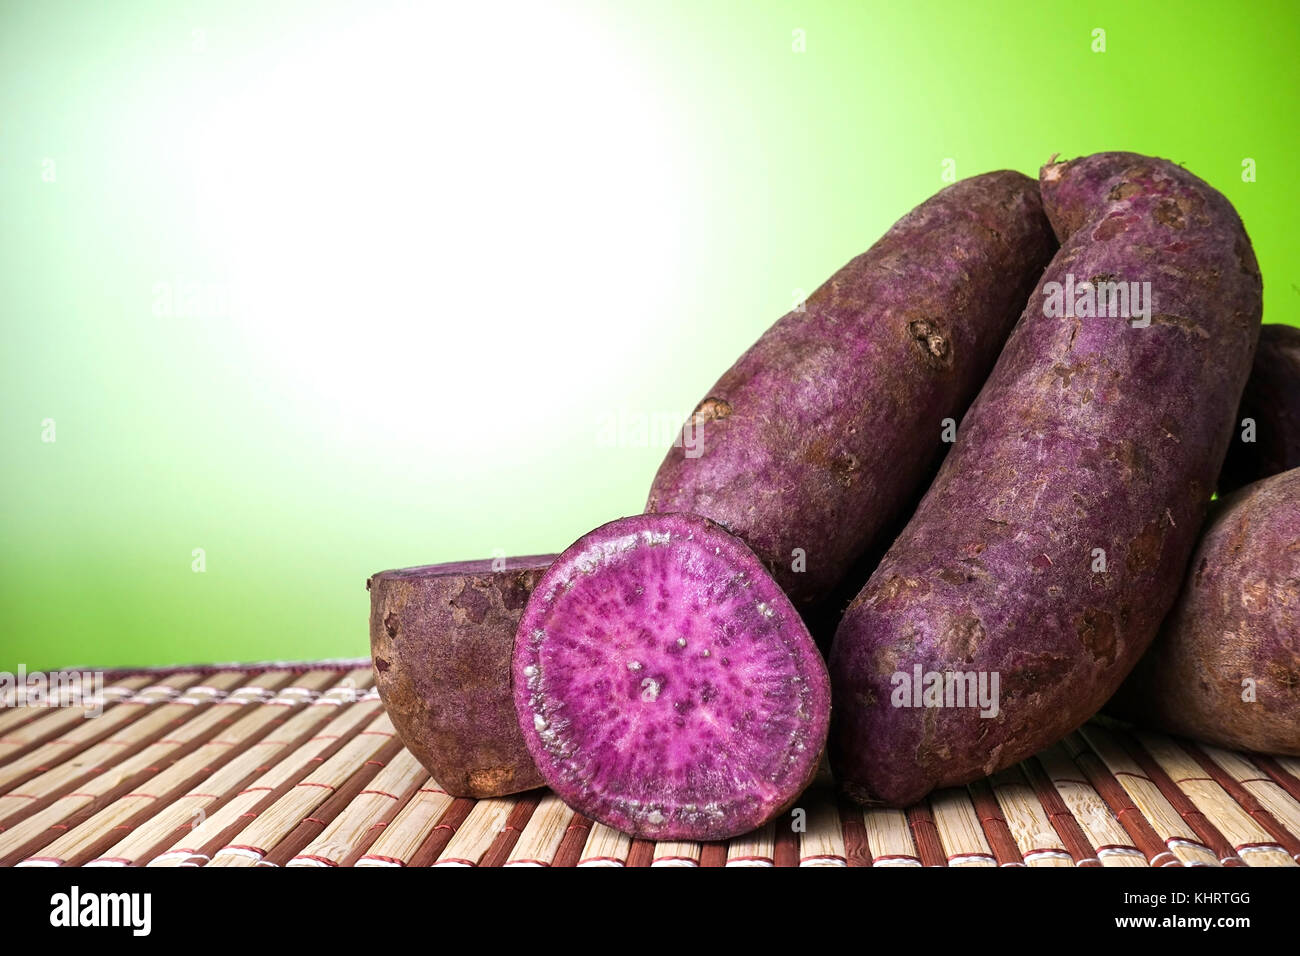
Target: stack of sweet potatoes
1008, 418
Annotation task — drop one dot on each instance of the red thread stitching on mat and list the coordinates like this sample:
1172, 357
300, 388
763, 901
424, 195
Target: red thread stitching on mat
382, 793
384, 859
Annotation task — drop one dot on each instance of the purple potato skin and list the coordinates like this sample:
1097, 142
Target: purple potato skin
1089, 434
1237, 618
824, 431
665, 685
441, 638
1272, 399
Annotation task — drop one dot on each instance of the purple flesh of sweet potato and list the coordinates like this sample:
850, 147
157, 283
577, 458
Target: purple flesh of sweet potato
1272, 401
823, 432
1055, 536
665, 685
1226, 666
441, 639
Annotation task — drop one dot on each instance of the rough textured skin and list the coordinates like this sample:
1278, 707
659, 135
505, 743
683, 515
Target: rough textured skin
441, 638
665, 685
1272, 399
822, 433
1237, 618
1090, 433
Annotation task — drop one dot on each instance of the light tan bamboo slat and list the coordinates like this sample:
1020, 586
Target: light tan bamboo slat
473, 837
822, 842
103, 759
82, 730
542, 835
72, 842
12, 716
675, 853
374, 806
1146, 796
182, 852
890, 838
756, 848
1034, 834
1099, 825
274, 823
1284, 807
605, 847
406, 834
179, 810
960, 833
1251, 841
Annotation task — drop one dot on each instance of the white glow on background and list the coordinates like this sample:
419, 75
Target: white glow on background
430, 219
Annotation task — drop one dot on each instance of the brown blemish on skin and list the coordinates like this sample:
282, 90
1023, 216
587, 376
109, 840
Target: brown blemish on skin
390, 624
710, 410
934, 345
1096, 630
1123, 191
491, 780
1144, 550
382, 665
846, 468
1168, 213
964, 638
1110, 227
1182, 323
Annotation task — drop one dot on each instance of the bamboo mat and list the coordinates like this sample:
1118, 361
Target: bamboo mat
297, 765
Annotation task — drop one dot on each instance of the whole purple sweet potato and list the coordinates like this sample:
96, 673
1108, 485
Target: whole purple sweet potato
813, 444
1226, 666
665, 685
1037, 568
441, 637
1272, 403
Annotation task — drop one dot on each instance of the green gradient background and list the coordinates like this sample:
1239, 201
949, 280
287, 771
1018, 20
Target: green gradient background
452, 409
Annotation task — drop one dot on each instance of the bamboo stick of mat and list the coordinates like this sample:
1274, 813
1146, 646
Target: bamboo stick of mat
374, 807
524, 805
958, 826
605, 847
70, 741
272, 824
151, 806
401, 839
75, 826
1252, 843
822, 841
475, 836
540, 840
1089, 811
1037, 840
757, 848
1150, 800
1268, 794
889, 838
215, 829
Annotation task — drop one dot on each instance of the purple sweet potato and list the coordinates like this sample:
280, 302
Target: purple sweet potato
441, 639
1053, 540
665, 685
1226, 666
1272, 402
821, 434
